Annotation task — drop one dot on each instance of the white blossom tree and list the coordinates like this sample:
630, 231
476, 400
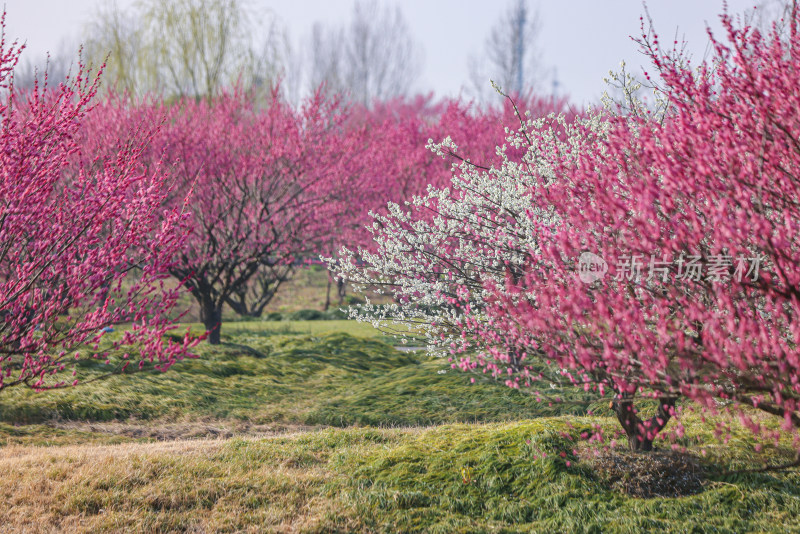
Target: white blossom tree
436, 253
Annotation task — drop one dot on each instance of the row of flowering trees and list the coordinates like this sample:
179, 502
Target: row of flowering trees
112, 208
272, 184
637, 251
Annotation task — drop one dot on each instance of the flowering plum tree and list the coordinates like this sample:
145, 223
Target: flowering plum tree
701, 198
267, 183
434, 254
708, 186
79, 251
393, 164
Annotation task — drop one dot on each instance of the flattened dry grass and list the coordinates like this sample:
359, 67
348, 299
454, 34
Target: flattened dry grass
201, 486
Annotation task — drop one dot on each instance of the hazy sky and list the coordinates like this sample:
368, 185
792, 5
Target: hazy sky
581, 39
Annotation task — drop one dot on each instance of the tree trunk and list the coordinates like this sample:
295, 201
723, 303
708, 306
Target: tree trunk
341, 289
642, 433
328, 293
211, 315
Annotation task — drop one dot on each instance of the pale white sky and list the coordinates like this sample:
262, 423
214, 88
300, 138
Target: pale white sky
582, 39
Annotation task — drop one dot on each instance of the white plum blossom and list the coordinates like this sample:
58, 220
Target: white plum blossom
435, 254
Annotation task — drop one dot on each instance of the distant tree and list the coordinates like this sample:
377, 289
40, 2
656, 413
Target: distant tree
373, 58
114, 37
326, 60
183, 47
57, 66
511, 57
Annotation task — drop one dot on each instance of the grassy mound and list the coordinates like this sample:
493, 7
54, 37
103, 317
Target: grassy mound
498, 461
275, 374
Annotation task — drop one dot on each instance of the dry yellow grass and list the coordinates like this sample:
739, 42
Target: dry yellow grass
238, 485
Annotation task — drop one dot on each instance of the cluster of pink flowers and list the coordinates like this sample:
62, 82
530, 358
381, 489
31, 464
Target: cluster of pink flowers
84, 245
712, 174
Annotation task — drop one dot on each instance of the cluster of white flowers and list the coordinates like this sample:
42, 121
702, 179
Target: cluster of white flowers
435, 253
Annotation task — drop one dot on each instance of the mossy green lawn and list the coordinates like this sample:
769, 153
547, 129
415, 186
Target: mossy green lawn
467, 457
290, 373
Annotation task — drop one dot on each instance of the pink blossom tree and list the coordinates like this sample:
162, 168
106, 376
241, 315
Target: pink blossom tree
498, 272
82, 248
434, 253
696, 215
269, 184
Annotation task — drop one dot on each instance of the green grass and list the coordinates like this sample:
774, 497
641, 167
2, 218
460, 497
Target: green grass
415, 448
301, 373
241, 332
418, 484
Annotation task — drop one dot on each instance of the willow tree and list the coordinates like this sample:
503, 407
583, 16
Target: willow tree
183, 47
